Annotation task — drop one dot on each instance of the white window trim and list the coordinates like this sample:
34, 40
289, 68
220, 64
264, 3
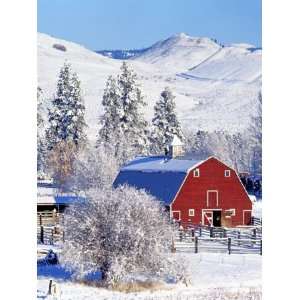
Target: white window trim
196, 173
227, 173
176, 211
229, 210
191, 212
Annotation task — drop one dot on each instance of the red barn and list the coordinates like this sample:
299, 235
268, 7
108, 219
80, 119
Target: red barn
207, 192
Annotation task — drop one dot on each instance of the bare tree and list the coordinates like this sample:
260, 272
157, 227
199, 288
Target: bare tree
60, 162
93, 168
121, 232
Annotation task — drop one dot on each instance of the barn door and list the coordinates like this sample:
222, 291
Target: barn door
207, 218
212, 200
247, 217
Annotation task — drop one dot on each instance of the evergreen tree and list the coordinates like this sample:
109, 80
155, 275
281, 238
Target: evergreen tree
41, 142
123, 126
110, 120
165, 122
66, 117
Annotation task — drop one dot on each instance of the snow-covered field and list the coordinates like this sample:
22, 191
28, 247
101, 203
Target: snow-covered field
216, 87
213, 276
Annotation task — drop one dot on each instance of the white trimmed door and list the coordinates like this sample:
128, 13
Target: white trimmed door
207, 217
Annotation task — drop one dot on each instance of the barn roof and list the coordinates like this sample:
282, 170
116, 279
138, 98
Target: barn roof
159, 164
159, 176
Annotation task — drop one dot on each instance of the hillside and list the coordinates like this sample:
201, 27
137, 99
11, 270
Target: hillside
215, 86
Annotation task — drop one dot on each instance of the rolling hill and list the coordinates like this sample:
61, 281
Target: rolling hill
216, 86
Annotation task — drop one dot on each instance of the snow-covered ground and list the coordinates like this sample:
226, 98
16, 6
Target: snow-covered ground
211, 274
216, 87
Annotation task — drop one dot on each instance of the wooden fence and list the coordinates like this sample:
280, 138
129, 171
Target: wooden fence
191, 239
49, 235
218, 239
48, 218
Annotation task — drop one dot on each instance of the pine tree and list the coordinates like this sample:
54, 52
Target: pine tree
165, 122
110, 120
41, 142
123, 126
66, 117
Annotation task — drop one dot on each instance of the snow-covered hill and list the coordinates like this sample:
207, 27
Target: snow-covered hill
216, 87
179, 52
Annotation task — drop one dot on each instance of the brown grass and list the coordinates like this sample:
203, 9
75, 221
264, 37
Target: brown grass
139, 286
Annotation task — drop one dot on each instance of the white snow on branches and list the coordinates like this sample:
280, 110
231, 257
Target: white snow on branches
120, 232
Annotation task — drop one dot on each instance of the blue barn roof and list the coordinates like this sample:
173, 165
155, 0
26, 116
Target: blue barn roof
158, 175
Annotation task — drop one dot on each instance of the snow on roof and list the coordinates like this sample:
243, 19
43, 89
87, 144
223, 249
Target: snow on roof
158, 175
176, 141
159, 164
49, 195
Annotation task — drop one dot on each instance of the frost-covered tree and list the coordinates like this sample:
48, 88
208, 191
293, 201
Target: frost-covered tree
110, 121
121, 232
255, 132
93, 169
41, 141
123, 118
66, 116
165, 122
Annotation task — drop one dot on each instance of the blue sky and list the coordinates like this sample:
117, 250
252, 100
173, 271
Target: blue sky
127, 24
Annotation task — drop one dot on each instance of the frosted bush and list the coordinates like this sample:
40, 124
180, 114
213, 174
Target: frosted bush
120, 232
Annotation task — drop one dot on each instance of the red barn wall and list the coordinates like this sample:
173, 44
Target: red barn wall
231, 194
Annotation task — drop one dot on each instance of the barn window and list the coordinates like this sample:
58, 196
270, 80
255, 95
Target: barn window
230, 213
191, 212
227, 173
196, 173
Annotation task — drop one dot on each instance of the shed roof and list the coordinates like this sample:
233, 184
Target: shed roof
49, 195
160, 176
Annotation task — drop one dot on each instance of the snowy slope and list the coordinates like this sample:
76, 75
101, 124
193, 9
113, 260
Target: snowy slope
211, 96
179, 52
237, 62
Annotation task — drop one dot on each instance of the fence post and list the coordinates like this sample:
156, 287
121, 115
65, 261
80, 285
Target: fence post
63, 236
42, 234
54, 216
180, 235
211, 233
239, 237
260, 247
196, 244
200, 231
254, 235
173, 249
193, 232
40, 219
229, 245
52, 236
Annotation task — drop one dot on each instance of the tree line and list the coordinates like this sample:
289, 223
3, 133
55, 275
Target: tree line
63, 146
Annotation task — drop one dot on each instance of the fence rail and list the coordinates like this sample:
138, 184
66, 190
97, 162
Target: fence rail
193, 239
224, 245
246, 239
50, 218
49, 235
